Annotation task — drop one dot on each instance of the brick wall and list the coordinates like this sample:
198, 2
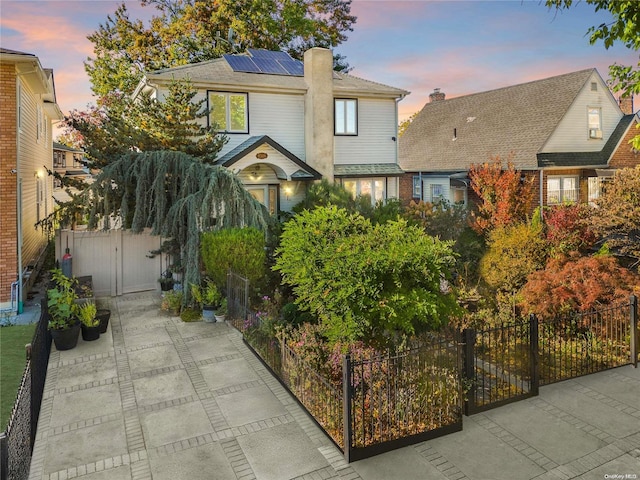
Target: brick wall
8, 182
625, 156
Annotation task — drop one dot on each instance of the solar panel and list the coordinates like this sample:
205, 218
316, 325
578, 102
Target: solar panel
293, 67
241, 63
269, 66
268, 54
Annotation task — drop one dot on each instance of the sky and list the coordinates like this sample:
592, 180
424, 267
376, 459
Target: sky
459, 46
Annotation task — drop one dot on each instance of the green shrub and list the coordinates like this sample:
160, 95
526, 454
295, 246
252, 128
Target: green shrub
239, 249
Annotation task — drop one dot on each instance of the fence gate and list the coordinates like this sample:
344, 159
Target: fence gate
118, 260
501, 365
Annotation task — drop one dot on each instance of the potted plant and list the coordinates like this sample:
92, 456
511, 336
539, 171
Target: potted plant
103, 314
90, 322
166, 281
62, 310
221, 312
208, 297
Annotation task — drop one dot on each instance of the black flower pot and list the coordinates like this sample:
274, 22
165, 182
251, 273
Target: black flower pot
90, 334
104, 315
67, 338
166, 286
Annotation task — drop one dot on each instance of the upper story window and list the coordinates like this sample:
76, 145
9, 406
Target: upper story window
594, 119
346, 111
229, 112
59, 159
77, 161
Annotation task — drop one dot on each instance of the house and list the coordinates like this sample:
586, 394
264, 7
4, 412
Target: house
67, 162
291, 122
566, 131
28, 106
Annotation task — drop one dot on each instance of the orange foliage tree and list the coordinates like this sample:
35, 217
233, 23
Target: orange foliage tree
505, 196
577, 284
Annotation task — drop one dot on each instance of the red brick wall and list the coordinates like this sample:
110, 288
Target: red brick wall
8, 182
406, 188
625, 156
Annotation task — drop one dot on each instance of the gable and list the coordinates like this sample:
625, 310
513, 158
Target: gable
517, 120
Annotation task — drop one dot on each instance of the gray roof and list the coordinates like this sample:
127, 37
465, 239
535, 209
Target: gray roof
218, 72
61, 146
251, 143
518, 119
14, 52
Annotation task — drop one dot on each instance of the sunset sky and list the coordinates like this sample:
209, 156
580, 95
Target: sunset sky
459, 46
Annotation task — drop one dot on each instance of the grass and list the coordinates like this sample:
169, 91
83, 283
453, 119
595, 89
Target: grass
12, 362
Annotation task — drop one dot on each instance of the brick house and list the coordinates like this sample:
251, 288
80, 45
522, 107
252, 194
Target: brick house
568, 132
28, 108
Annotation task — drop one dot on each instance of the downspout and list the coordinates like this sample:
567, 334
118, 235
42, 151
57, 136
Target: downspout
19, 198
541, 194
397, 140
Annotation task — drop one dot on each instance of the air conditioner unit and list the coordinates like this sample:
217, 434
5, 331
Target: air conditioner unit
595, 133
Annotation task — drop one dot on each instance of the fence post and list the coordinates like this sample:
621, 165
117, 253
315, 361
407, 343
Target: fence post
469, 338
4, 456
346, 405
633, 336
534, 388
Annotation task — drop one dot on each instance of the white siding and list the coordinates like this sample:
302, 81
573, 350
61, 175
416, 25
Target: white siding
572, 134
277, 115
33, 154
445, 183
374, 143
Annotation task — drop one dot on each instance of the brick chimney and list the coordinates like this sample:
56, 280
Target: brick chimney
626, 104
436, 96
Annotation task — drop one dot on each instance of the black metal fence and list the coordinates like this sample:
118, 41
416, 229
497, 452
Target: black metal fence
17, 441
387, 402
382, 403
510, 362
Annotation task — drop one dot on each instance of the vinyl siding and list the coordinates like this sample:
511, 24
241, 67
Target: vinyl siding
277, 115
374, 143
572, 134
33, 154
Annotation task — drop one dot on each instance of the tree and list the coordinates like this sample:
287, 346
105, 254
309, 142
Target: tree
513, 253
624, 28
363, 281
188, 31
617, 218
176, 196
505, 196
118, 126
405, 124
577, 284
567, 228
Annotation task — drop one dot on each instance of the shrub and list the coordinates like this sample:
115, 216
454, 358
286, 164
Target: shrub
567, 229
514, 252
574, 283
365, 282
239, 249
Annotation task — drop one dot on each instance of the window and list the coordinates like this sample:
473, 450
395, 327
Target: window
59, 159
594, 117
346, 116
561, 190
436, 193
366, 186
57, 183
594, 189
77, 163
229, 112
594, 86
417, 187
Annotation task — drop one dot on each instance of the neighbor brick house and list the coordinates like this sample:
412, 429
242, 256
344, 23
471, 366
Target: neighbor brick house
290, 122
568, 132
27, 109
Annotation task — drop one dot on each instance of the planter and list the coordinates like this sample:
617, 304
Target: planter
67, 338
90, 334
208, 313
104, 315
166, 286
220, 318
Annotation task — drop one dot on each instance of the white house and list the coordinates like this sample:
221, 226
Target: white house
290, 122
